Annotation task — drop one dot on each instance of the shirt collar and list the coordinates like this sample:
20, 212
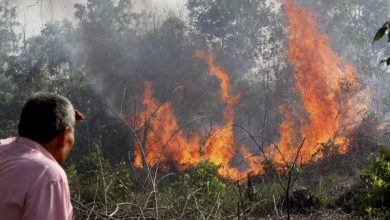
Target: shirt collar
34, 145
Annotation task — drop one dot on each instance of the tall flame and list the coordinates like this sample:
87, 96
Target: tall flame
164, 141
221, 148
323, 81
327, 88
162, 138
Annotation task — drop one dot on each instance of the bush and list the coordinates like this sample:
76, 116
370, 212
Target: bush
199, 191
376, 184
95, 182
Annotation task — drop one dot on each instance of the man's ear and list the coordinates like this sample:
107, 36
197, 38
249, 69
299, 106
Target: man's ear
61, 138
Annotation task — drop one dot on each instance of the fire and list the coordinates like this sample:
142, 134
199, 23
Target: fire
221, 148
323, 82
327, 88
163, 139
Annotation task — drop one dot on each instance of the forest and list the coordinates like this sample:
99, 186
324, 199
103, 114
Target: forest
220, 109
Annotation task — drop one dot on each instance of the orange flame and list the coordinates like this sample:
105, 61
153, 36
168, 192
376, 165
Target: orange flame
221, 148
328, 91
164, 140
322, 80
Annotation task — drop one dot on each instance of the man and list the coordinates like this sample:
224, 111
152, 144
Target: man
32, 183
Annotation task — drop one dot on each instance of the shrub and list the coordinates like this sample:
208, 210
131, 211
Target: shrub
95, 182
198, 192
376, 184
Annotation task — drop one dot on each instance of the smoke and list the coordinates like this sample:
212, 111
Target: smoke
34, 14
171, 7
351, 28
248, 41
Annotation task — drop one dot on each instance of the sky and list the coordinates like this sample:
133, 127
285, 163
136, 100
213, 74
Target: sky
33, 14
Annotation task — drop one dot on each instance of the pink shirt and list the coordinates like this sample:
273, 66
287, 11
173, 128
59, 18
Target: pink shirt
32, 184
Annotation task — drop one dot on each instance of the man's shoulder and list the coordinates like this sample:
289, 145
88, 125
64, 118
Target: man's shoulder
6, 140
40, 168
49, 168
31, 161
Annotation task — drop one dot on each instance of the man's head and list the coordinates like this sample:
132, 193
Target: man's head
49, 119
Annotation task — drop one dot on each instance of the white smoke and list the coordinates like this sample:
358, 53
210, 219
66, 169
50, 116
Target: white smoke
34, 14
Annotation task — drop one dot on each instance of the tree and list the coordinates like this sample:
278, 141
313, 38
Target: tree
8, 37
8, 48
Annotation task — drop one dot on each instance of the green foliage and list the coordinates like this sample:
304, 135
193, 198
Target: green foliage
212, 17
376, 183
200, 188
380, 33
9, 45
369, 195
326, 190
95, 180
106, 14
386, 100
246, 36
203, 180
271, 195
42, 63
8, 37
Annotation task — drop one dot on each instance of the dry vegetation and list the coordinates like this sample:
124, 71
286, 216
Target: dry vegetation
248, 82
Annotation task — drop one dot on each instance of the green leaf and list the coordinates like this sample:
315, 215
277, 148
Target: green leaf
388, 35
380, 33
387, 61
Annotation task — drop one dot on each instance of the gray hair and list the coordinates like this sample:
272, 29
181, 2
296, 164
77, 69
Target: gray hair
44, 116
